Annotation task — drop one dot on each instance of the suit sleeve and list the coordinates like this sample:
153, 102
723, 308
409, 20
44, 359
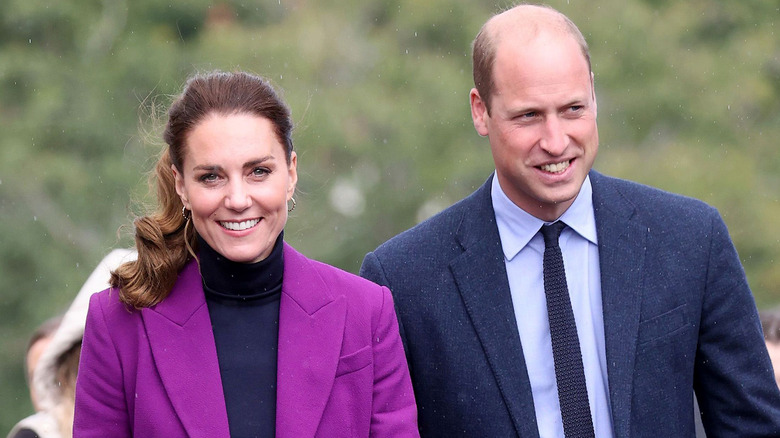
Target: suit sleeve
371, 269
100, 409
733, 378
394, 412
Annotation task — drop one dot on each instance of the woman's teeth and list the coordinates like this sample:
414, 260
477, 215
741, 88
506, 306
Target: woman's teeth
240, 226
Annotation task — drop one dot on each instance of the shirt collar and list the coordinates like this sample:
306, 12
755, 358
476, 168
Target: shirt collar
516, 227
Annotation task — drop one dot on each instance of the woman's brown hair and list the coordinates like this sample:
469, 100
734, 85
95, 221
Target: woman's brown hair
165, 238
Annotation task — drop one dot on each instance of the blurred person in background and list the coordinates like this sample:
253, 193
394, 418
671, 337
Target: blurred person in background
556, 300
770, 323
222, 329
53, 381
38, 342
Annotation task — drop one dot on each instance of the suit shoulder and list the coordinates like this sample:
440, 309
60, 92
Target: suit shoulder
430, 235
650, 200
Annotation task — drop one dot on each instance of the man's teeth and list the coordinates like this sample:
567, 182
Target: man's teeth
240, 226
555, 168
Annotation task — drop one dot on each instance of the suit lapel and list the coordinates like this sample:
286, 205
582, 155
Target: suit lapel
480, 274
622, 242
182, 343
311, 329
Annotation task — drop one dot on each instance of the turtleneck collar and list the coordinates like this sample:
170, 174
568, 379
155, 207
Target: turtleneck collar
224, 278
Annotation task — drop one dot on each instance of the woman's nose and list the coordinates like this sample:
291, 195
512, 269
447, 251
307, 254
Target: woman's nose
237, 197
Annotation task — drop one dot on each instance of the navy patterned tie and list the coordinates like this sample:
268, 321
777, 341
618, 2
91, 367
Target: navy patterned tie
569, 373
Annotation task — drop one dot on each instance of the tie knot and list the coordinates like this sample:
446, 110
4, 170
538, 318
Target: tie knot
552, 232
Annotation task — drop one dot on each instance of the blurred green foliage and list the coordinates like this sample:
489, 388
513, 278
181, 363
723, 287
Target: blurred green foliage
689, 99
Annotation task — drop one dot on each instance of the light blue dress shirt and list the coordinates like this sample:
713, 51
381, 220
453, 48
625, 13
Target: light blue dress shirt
523, 248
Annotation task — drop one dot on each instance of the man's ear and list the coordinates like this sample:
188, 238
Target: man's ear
479, 112
179, 183
593, 91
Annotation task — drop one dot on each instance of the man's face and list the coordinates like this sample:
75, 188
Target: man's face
542, 122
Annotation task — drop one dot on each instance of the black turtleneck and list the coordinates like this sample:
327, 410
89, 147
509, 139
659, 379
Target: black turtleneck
243, 302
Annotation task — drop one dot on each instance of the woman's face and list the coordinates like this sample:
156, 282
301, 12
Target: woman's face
236, 181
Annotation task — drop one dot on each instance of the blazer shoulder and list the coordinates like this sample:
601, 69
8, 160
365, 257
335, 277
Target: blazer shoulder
341, 282
366, 301
307, 276
113, 309
114, 320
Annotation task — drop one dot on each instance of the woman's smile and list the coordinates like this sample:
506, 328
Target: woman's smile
239, 226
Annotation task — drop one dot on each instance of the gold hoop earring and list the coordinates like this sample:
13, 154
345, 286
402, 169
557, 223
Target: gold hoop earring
293, 205
185, 214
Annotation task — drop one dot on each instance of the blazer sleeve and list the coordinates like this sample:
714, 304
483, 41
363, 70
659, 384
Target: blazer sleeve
733, 375
394, 412
101, 408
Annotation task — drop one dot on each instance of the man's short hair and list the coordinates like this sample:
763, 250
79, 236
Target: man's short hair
483, 53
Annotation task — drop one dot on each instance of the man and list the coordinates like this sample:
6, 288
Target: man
652, 281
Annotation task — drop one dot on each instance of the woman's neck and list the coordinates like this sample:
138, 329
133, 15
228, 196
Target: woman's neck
242, 281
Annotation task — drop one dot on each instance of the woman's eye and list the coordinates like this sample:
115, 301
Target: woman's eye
260, 171
208, 177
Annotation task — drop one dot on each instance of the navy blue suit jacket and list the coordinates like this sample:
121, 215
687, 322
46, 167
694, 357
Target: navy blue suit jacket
678, 316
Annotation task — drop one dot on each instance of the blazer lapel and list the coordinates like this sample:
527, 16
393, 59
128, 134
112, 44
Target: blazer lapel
311, 329
182, 344
622, 240
480, 274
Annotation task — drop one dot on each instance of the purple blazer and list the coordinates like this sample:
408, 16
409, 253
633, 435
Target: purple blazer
341, 366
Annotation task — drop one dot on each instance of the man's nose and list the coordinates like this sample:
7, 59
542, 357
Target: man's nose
554, 139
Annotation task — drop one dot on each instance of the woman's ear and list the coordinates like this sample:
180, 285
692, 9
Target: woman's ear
178, 179
292, 172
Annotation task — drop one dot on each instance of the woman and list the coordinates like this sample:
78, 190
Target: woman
220, 328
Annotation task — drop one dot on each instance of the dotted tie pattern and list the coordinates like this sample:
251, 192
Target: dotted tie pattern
569, 373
